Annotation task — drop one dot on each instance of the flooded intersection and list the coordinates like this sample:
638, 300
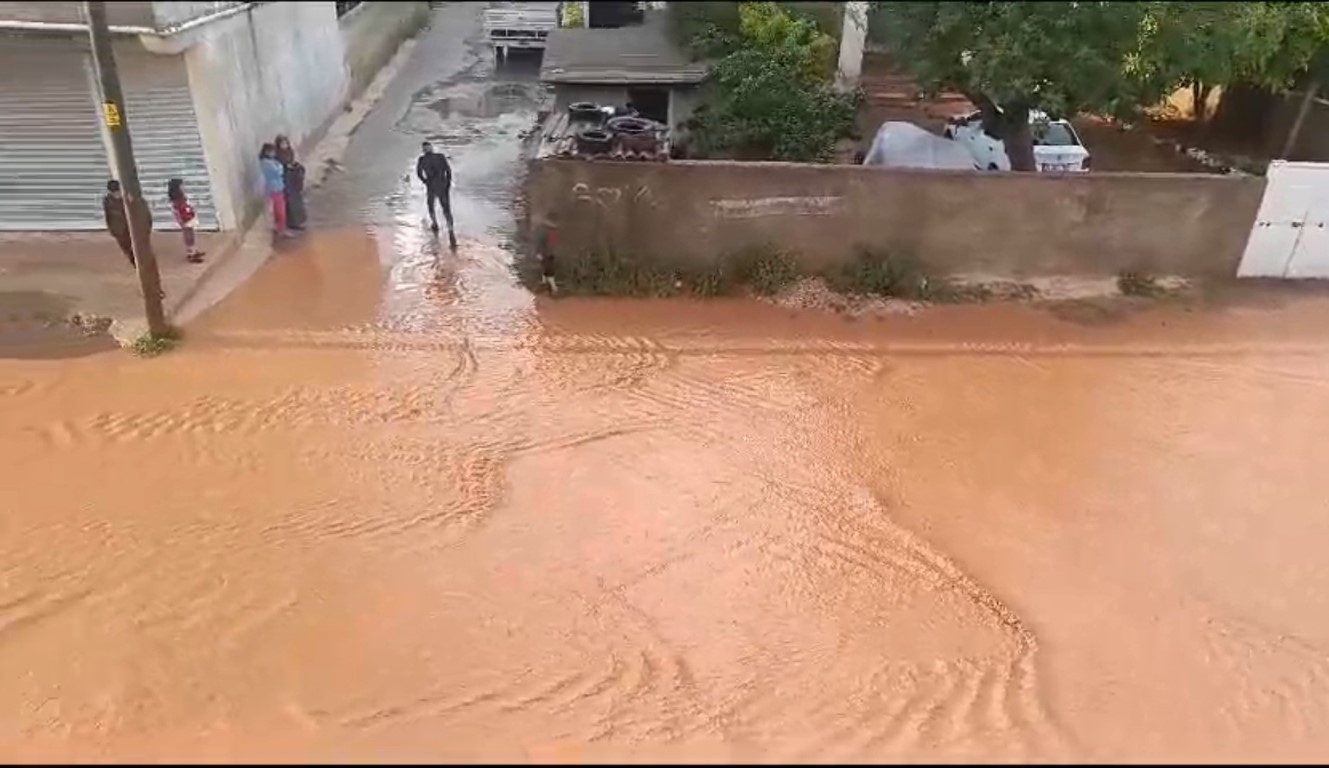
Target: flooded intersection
385, 504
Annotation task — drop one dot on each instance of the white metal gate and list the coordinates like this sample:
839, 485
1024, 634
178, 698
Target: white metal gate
1290, 238
53, 152
165, 133
53, 167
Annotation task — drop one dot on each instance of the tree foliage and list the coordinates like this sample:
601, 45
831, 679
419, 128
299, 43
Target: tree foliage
770, 95
1102, 57
1209, 44
711, 27
1062, 57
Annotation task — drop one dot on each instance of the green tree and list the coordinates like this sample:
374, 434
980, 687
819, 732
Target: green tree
1009, 58
711, 27
706, 28
771, 95
1111, 58
1205, 45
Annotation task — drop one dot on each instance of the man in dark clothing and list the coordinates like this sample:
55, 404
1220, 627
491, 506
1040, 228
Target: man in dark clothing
434, 172
117, 223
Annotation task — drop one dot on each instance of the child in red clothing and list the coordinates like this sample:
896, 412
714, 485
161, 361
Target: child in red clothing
185, 217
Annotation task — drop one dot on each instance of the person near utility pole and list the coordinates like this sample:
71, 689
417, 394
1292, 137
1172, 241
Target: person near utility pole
116, 122
434, 172
117, 222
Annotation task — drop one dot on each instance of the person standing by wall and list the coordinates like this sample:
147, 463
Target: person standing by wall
434, 172
294, 176
546, 242
274, 186
117, 221
185, 217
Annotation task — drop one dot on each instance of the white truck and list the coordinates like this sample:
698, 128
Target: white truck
519, 25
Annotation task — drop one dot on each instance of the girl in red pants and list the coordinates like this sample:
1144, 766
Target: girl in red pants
274, 185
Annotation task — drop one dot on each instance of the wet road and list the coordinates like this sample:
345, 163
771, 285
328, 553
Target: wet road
387, 505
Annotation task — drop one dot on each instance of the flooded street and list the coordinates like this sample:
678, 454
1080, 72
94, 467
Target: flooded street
385, 504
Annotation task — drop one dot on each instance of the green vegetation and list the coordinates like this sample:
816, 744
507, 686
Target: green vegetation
880, 273
713, 28
764, 270
770, 97
153, 345
608, 273
1217, 44
1108, 58
573, 16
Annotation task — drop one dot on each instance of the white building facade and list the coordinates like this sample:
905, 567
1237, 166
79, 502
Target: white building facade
205, 85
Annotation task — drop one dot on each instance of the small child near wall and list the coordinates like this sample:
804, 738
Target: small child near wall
185, 217
546, 240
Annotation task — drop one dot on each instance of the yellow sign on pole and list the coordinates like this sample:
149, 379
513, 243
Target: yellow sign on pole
111, 114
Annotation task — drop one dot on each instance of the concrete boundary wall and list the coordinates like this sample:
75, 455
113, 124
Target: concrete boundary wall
996, 224
373, 31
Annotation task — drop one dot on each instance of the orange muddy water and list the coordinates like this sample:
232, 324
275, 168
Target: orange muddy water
384, 504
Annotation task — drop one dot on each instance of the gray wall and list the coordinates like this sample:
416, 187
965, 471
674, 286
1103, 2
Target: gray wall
277, 68
1313, 140
997, 224
372, 33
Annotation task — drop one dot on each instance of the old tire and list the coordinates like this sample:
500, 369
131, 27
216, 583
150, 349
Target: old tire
594, 141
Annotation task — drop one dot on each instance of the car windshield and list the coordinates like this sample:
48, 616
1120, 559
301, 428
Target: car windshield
1054, 135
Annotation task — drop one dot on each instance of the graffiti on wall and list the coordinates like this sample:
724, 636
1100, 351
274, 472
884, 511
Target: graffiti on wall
775, 206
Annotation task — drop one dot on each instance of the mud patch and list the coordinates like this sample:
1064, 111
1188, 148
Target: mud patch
36, 325
812, 293
1090, 311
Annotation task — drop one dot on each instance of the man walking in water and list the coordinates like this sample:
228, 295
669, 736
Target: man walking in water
434, 172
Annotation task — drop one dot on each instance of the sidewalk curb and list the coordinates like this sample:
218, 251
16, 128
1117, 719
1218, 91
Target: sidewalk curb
220, 256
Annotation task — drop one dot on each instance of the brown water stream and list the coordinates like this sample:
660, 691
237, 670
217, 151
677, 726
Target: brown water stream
425, 516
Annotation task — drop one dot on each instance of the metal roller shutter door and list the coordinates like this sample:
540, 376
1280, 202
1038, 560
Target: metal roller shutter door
164, 128
53, 166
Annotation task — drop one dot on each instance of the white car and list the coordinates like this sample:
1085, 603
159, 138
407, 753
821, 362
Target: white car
1057, 147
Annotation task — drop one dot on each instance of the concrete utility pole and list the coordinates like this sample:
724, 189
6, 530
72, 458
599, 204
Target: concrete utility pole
117, 123
853, 39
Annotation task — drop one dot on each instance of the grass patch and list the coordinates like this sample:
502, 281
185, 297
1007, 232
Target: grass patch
765, 269
1132, 283
153, 345
710, 283
606, 273
884, 273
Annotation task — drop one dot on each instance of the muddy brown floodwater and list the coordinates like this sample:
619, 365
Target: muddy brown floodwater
386, 505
